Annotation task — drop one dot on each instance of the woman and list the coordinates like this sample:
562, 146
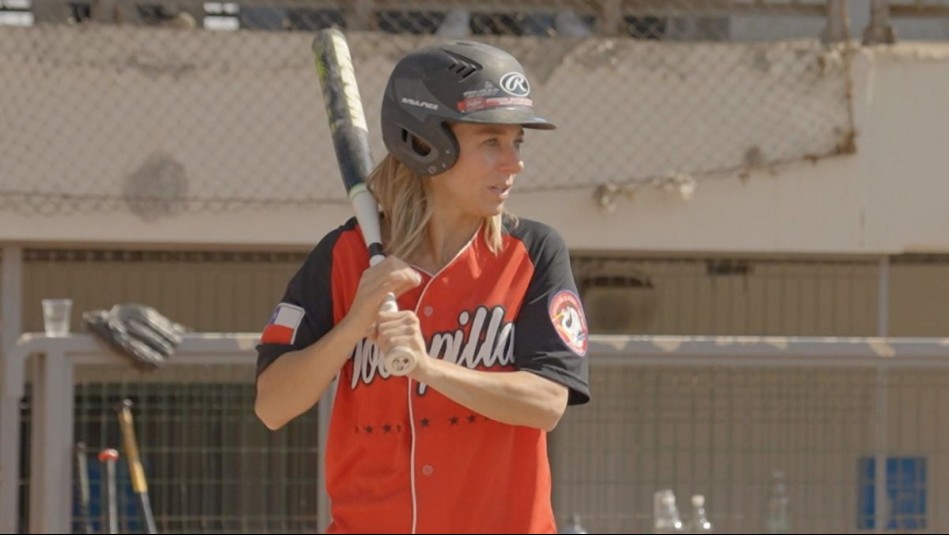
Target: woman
487, 304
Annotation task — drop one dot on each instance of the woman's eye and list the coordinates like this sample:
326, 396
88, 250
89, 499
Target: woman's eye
491, 142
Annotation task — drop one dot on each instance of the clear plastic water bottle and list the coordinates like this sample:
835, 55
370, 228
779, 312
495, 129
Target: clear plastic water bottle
574, 525
666, 514
699, 523
776, 520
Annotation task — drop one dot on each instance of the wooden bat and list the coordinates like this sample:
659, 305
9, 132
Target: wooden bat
136, 472
351, 141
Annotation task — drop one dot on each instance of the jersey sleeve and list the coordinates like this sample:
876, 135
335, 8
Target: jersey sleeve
305, 312
550, 329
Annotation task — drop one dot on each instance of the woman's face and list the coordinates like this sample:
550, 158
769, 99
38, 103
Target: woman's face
489, 157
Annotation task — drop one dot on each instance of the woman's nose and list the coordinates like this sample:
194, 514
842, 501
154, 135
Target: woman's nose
512, 161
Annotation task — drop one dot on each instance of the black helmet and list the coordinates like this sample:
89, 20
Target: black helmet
462, 81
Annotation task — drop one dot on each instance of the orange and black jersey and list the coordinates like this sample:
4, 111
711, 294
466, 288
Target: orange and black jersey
403, 456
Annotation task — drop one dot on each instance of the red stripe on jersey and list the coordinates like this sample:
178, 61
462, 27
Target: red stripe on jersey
277, 334
283, 325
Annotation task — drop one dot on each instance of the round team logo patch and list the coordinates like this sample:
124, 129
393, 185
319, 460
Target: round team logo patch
566, 314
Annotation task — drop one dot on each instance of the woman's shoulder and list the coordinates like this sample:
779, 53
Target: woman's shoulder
524, 227
346, 232
534, 234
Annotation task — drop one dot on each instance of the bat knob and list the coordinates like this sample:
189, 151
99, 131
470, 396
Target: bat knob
399, 362
122, 405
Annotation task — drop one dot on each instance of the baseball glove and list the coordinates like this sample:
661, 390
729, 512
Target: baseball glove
136, 331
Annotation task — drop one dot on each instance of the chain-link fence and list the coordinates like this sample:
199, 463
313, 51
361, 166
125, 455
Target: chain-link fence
132, 105
855, 425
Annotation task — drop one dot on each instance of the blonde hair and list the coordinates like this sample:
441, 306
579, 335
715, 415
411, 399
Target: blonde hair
405, 200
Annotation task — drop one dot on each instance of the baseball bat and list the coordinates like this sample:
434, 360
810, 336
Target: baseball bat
82, 475
110, 495
350, 135
136, 472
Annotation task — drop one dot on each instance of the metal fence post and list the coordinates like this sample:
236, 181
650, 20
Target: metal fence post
11, 385
610, 19
51, 465
838, 23
882, 509
879, 30
880, 496
325, 408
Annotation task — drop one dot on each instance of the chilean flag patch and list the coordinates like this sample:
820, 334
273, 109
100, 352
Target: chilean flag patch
283, 325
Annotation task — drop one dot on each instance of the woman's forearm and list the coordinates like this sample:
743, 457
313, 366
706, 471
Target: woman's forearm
296, 381
516, 398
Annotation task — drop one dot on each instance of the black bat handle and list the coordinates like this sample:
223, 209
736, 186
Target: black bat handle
343, 107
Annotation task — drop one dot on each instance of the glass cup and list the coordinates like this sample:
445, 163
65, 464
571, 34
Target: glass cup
56, 314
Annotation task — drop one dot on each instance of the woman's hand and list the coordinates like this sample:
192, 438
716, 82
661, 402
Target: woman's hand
392, 275
401, 329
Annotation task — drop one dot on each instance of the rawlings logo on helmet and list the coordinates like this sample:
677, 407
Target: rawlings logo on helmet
516, 84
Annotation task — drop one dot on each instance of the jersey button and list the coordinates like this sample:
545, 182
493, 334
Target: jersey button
428, 470
428, 310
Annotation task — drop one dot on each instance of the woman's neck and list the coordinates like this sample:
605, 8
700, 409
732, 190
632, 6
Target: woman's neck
446, 236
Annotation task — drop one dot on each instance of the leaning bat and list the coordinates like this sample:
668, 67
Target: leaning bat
351, 140
136, 472
85, 498
110, 495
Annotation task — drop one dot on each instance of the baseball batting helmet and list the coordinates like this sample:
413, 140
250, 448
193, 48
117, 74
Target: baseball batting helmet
461, 81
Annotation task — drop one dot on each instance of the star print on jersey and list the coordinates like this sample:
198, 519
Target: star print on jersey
423, 423
566, 314
488, 343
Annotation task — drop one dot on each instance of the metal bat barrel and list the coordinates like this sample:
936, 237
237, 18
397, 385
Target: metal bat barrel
85, 498
110, 512
343, 107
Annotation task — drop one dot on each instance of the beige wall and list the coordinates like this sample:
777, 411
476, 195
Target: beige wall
813, 297
887, 197
236, 292
919, 299
205, 292
753, 296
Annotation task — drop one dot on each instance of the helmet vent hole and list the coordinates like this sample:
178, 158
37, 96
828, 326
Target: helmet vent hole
462, 68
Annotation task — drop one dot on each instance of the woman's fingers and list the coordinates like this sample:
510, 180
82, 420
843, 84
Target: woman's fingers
399, 329
391, 276
397, 276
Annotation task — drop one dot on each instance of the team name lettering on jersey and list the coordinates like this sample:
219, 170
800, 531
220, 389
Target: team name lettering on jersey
489, 343
367, 362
